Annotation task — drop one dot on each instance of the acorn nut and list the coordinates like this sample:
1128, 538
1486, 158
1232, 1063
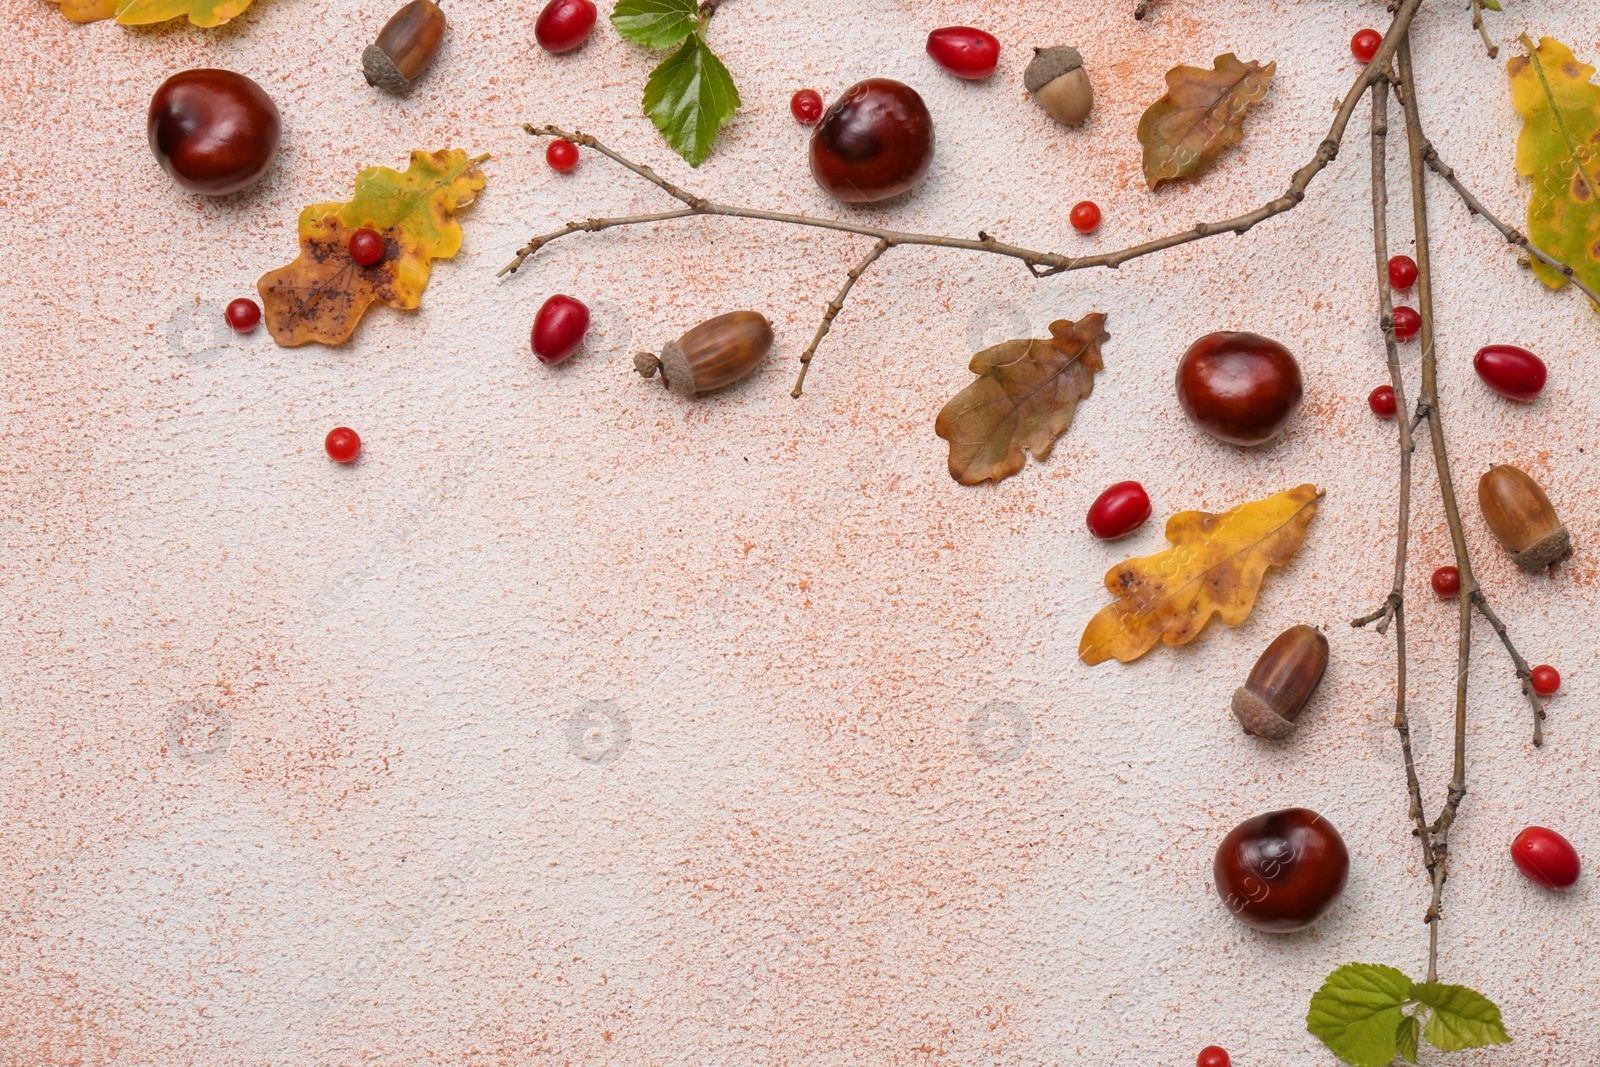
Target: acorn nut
1059, 83
406, 45
716, 353
1522, 518
1280, 684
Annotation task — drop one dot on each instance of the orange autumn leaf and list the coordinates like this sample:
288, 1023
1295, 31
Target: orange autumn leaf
1202, 113
1215, 567
87, 10
322, 295
144, 12
1025, 396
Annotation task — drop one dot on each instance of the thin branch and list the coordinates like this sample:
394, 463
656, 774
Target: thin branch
1524, 673
835, 306
1440, 829
1393, 608
1477, 24
1511, 234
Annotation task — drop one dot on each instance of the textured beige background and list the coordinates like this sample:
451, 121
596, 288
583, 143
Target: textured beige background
577, 724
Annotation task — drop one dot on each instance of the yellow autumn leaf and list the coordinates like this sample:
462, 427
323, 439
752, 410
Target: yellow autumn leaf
322, 295
200, 12
1215, 567
1560, 119
87, 10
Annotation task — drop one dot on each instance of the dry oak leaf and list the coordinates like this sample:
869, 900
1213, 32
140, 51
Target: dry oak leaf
1202, 113
1563, 208
322, 295
144, 12
1025, 397
1215, 566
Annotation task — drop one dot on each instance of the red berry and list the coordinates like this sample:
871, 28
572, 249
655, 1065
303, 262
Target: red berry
562, 155
1514, 373
343, 444
1212, 1056
964, 51
243, 314
1406, 323
1381, 401
806, 106
1119, 511
1364, 45
558, 329
564, 25
1085, 217
1546, 680
1545, 857
1402, 272
1447, 581
367, 248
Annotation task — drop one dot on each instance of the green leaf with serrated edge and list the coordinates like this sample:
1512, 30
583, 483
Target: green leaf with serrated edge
1357, 1013
1406, 1037
1462, 1018
689, 96
655, 23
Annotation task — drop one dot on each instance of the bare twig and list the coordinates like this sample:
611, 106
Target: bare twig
1524, 673
835, 306
1440, 828
1393, 608
1040, 264
1477, 24
1510, 233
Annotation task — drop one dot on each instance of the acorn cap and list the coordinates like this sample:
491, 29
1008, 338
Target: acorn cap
1552, 548
381, 71
1049, 64
1258, 717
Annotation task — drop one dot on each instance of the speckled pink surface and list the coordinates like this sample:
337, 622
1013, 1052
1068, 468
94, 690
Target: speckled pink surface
579, 724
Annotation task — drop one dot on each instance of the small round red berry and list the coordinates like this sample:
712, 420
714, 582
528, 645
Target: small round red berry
1085, 217
367, 248
1406, 323
343, 444
1212, 1056
1119, 511
1546, 680
1364, 45
562, 155
558, 329
1447, 582
1381, 401
564, 25
1402, 272
964, 51
1545, 857
243, 314
806, 106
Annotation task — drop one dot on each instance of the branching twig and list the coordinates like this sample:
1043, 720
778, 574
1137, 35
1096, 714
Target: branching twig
1040, 264
1477, 24
835, 306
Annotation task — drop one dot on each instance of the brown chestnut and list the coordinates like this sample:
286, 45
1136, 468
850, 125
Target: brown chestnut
1282, 681
1239, 387
876, 141
1281, 871
213, 131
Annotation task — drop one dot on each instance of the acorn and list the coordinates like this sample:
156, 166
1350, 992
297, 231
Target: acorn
1281, 682
1522, 518
406, 45
716, 353
1059, 83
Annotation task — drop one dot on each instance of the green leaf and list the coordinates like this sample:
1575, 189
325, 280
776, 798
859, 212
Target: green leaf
655, 23
689, 96
1462, 1018
1406, 1037
1492, 5
1358, 1013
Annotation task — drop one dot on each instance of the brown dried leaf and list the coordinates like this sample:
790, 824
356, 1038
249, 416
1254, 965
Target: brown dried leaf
1215, 566
1202, 113
1025, 397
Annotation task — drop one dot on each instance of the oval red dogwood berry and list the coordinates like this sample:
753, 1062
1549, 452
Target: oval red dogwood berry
1545, 857
564, 25
558, 329
1119, 511
964, 51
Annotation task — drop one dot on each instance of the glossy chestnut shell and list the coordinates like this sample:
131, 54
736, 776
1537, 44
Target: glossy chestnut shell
1239, 387
876, 141
213, 131
1281, 871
